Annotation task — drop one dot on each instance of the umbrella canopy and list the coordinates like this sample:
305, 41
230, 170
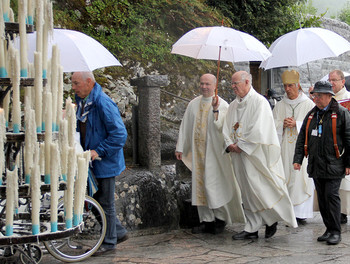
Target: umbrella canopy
304, 45
205, 43
79, 52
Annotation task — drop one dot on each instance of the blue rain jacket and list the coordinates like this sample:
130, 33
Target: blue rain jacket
105, 132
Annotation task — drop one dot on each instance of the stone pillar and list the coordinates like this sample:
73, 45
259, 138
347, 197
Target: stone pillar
149, 146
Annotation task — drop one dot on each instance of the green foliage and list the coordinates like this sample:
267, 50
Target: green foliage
267, 19
345, 14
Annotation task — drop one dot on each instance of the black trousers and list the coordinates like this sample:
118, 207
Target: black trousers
329, 203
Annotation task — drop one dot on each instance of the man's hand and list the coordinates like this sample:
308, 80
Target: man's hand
93, 155
347, 171
215, 103
178, 155
234, 148
296, 166
289, 122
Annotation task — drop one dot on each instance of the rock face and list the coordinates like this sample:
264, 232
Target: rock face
145, 199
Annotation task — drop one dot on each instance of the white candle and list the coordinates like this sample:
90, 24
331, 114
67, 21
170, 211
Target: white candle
54, 185
38, 87
6, 9
16, 107
39, 20
54, 84
2, 142
47, 30
22, 14
70, 187
70, 115
35, 183
30, 12
10, 200
42, 158
48, 134
29, 142
59, 97
80, 188
11, 15
3, 71
63, 140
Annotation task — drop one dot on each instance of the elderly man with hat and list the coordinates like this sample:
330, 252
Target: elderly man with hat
325, 139
289, 114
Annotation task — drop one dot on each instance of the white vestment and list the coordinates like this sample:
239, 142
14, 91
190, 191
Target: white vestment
213, 182
258, 168
300, 186
344, 190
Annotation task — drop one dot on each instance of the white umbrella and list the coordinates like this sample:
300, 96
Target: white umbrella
205, 43
304, 45
220, 43
79, 52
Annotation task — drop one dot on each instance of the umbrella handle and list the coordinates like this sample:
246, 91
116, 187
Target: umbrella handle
217, 73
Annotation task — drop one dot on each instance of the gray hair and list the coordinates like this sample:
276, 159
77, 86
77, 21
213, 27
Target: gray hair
88, 75
246, 76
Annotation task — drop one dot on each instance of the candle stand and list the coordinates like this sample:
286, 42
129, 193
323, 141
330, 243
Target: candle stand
67, 243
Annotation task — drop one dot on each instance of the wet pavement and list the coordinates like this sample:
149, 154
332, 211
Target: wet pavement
288, 245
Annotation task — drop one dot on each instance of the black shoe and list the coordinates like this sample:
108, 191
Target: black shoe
204, 227
122, 239
245, 235
334, 239
219, 226
301, 221
324, 237
103, 250
343, 218
270, 230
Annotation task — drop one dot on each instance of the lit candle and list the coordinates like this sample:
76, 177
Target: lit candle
54, 185
16, 107
63, 140
29, 142
2, 142
35, 183
22, 14
70, 187
38, 87
48, 134
54, 84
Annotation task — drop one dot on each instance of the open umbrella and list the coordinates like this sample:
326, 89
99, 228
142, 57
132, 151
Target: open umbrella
79, 52
304, 45
220, 43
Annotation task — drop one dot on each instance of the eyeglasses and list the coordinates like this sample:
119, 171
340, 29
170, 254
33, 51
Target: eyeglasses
334, 80
235, 83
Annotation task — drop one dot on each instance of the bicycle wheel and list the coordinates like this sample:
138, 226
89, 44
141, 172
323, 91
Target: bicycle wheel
82, 245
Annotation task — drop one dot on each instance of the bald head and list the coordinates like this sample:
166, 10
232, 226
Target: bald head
207, 84
83, 83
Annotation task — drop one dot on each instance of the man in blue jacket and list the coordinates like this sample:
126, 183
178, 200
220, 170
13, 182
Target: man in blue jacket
102, 131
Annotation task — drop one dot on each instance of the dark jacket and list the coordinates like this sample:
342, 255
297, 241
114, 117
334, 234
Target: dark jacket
105, 133
322, 160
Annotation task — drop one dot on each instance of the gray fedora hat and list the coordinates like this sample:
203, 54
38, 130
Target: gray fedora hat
323, 87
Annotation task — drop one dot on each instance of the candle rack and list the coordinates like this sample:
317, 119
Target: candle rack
12, 28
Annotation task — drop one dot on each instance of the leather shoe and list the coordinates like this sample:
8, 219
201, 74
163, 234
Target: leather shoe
204, 227
270, 230
104, 250
245, 235
122, 239
219, 226
343, 218
334, 239
324, 237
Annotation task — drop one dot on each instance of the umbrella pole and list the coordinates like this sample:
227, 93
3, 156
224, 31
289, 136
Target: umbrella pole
217, 74
308, 70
